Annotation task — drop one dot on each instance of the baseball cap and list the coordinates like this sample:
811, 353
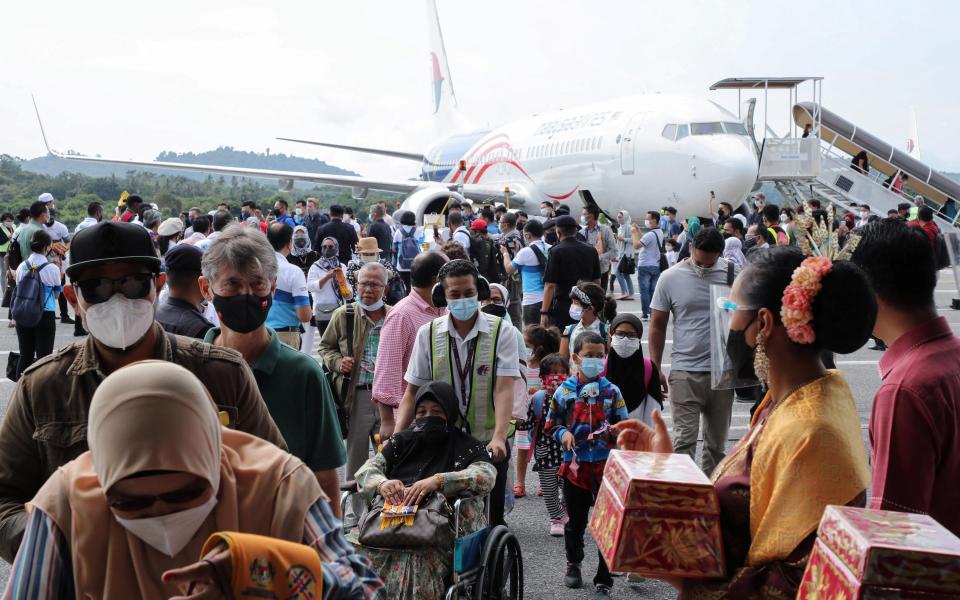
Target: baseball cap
171, 226
479, 225
110, 242
184, 257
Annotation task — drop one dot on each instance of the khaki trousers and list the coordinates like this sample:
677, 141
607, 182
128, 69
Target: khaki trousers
364, 417
691, 401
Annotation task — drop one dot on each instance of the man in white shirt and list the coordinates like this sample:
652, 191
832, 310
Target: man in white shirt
531, 262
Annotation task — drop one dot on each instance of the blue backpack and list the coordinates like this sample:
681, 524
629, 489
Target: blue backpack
409, 248
26, 306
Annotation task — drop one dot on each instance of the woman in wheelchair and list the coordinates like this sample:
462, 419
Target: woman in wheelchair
432, 456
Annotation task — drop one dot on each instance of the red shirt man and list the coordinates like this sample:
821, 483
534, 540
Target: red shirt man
915, 423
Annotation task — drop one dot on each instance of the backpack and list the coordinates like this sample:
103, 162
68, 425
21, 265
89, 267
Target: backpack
484, 259
14, 254
409, 248
541, 257
26, 307
941, 254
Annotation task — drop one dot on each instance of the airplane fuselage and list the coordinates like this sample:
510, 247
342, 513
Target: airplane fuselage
638, 154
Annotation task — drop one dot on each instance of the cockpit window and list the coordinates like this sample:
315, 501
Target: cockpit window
706, 128
670, 132
683, 131
735, 128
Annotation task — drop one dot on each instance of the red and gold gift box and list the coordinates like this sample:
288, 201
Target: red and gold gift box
862, 553
657, 515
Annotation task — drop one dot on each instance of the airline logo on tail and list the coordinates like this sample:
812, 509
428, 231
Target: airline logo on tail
437, 82
910, 145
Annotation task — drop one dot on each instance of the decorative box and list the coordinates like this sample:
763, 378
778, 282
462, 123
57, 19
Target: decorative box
657, 515
863, 553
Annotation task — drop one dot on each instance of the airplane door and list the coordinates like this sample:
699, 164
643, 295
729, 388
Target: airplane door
628, 144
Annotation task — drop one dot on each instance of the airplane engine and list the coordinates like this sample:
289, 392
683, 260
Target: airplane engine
428, 201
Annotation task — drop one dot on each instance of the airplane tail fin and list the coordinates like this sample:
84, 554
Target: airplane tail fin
913, 139
445, 108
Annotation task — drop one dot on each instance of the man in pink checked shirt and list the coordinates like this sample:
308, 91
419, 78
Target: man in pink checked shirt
398, 335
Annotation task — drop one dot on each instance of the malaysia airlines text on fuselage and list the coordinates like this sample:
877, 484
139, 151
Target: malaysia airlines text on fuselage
636, 154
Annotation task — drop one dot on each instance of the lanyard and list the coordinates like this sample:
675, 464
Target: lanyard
463, 373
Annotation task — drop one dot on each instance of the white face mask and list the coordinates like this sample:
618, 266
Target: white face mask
169, 534
372, 307
119, 322
625, 347
576, 312
369, 258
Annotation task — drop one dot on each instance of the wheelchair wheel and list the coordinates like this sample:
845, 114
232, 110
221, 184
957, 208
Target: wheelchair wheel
501, 577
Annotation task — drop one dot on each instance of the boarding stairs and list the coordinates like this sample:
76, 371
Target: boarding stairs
804, 169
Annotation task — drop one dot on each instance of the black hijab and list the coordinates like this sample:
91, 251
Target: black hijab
416, 454
628, 373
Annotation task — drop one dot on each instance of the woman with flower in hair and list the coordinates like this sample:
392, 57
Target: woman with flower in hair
804, 448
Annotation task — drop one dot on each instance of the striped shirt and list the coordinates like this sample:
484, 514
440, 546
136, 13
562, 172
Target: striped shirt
397, 336
43, 568
369, 358
291, 293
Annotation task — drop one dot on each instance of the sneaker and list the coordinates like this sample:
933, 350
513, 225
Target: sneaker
603, 592
573, 580
66, 320
556, 527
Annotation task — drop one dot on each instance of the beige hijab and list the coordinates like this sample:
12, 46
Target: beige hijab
156, 415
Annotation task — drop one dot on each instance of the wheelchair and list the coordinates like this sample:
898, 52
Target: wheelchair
487, 564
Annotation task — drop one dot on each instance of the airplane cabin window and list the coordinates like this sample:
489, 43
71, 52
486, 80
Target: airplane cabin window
669, 132
683, 130
735, 128
706, 128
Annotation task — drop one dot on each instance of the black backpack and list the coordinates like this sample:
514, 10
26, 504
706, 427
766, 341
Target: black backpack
484, 258
14, 254
26, 307
942, 255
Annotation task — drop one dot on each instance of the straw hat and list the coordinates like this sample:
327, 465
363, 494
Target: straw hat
368, 245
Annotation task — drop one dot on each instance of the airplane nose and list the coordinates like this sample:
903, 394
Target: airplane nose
729, 166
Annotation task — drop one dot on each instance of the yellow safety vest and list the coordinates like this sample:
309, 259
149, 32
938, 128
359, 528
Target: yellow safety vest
483, 372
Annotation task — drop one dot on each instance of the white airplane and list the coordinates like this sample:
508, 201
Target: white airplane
638, 153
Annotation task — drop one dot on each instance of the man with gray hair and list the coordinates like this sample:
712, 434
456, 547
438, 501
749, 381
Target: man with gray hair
239, 275
349, 351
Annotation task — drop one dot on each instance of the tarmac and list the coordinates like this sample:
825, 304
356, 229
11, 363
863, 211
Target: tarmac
543, 556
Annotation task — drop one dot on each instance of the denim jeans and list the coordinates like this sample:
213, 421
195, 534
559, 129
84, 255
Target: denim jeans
626, 283
648, 277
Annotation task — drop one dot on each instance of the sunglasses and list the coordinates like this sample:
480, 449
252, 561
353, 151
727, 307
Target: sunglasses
135, 503
134, 286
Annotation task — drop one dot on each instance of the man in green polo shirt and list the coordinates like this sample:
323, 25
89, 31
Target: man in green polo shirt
240, 277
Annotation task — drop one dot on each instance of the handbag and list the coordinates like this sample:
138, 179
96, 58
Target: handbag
431, 527
324, 312
7, 295
12, 360
627, 266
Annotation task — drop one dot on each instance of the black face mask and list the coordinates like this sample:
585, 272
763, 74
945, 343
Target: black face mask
242, 313
434, 429
551, 238
497, 310
741, 354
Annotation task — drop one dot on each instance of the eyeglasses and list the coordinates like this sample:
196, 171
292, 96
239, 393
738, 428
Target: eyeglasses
132, 503
134, 286
371, 285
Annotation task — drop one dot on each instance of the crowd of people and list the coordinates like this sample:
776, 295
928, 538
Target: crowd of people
237, 362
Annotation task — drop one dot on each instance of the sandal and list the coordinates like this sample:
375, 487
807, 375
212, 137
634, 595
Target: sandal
519, 491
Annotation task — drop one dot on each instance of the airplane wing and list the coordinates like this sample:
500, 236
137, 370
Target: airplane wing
387, 185
377, 151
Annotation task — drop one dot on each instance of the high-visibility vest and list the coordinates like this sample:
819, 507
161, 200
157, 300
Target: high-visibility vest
480, 418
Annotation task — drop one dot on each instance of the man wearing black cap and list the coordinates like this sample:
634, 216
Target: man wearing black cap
114, 280
180, 312
570, 261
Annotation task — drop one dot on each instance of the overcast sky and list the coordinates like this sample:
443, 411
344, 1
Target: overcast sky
126, 80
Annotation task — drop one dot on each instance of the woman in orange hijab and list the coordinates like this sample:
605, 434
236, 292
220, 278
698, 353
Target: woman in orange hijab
161, 476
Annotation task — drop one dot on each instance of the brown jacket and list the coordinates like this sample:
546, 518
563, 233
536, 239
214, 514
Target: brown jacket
46, 421
333, 347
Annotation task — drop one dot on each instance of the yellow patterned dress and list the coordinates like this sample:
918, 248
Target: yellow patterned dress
800, 455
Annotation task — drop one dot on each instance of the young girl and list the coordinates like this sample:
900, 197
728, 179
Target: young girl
554, 370
592, 309
539, 342
671, 247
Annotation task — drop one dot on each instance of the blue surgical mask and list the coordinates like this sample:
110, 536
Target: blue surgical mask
372, 307
591, 367
576, 312
463, 309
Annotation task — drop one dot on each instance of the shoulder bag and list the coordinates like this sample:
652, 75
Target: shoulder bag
431, 526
